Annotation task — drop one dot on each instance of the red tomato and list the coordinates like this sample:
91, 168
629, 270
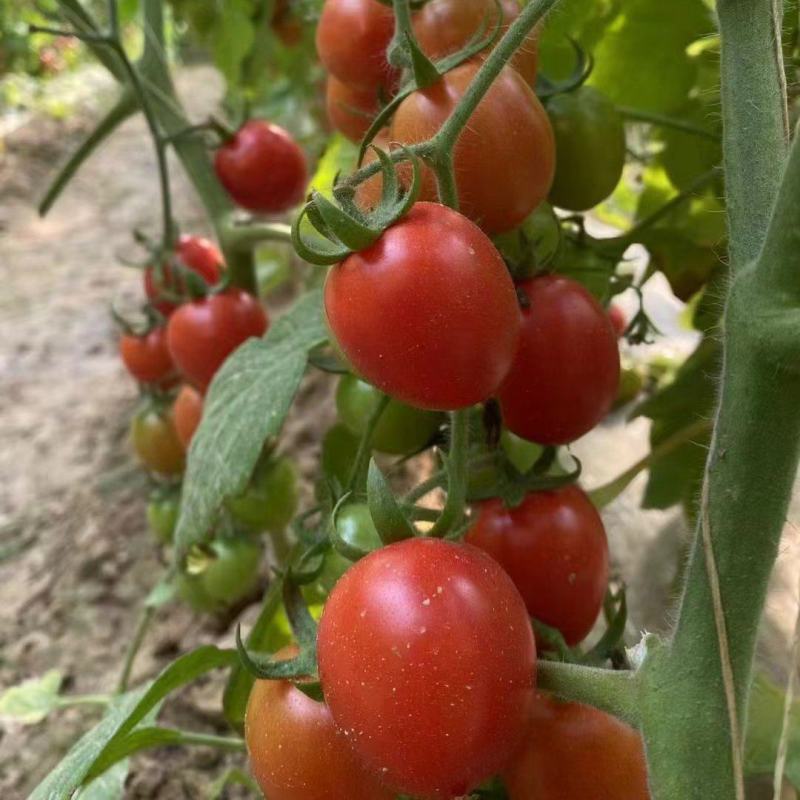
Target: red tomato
296, 753
554, 547
187, 411
147, 357
566, 371
194, 252
350, 109
352, 37
427, 662
575, 752
443, 27
428, 313
203, 333
618, 319
504, 159
263, 168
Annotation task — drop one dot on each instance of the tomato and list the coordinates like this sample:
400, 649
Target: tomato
147, 357
443, 27
427, 661
351, 109
618, 319
193, 252
263, 168
631, 383
566, 371
401, 429
590, 141
230, 575
203, 333
270, 501
339, 449
532, 245
295, 751
576, 752
504, 158
554, 547
156, 443
162, 515
352, 37
187, 411
387, 306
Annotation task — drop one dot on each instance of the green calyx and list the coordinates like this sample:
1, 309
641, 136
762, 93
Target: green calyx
341, 228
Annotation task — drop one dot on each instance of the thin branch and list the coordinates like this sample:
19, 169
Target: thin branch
664, 121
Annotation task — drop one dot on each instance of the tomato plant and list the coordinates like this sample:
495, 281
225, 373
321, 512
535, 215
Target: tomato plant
565, 374
187, 411
554, 547
263, 168
379, 300
147, 357
270, 501
574, 751
203, 333
502, 172
156, 442
424, 707
193, 253
401, 429
296, 752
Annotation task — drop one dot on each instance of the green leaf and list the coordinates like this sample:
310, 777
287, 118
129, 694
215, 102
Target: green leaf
233, 38
676, 478
764, 725
389, 521
122, 717
33, 700
246, 404
108, 786
339, 157
642, 62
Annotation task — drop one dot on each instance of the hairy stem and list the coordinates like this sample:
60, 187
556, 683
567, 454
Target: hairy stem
664, 121
453, 509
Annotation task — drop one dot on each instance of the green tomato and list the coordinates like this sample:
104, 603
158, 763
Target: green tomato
532, 245
520, 452
162, 515
631, 383
270, 501
401, 429
339, 449
590, 148
230, 574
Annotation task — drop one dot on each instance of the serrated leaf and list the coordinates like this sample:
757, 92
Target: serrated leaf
31, 701
246, 404
125, 712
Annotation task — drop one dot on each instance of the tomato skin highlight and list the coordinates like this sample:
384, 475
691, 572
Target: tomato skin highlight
502, 171
576, 752
428, 313
262, 168
187, 411
147, 357
352, 37
295, 751
554, 547
565, 374
350, 108
443, 27
427, 662
156, 443
203, 333
197, 254
590, 141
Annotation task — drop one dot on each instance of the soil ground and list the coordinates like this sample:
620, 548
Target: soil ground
76, 557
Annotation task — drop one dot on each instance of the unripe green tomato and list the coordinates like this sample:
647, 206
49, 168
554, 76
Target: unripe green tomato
270, 501
520, 452
631, 383
532, 245
230, 575
162, 516
339, 449
401, 429
590, 148
156, 442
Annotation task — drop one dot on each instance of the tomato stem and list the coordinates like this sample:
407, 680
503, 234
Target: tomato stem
664, 121
145, 618
358, 472
453, 510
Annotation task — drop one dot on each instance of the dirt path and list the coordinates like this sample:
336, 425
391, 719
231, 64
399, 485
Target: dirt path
75, 555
